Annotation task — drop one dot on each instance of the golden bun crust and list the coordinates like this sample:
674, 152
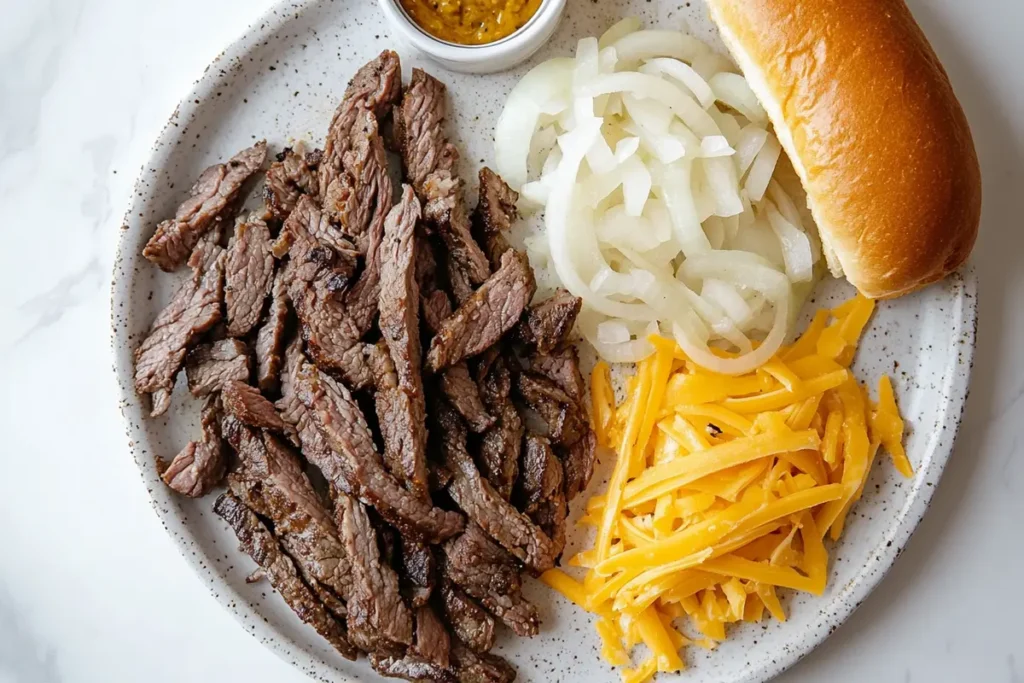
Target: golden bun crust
866, 114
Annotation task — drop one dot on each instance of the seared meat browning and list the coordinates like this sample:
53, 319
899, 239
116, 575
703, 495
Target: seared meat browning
485, 571
288, 178
216, 189
270, 480
496, 211
270, 339
474, 494
377, 617
541, 489
498, 454
355, 467
578, 462
436, 307
491, 312
547, 324
562, 366
566, 422
402, 408
468, 620
248, 275
446, 210
246, 404
195, 308
419, 129
460, 389
209, 366
417, 568
259, 544
200, 466
479, 667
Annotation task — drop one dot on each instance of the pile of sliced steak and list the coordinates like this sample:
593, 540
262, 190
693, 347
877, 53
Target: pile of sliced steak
399, 426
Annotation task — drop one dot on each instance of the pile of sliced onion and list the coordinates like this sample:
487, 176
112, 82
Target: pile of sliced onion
655, 165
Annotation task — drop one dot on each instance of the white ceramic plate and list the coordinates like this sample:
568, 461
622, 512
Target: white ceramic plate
282, 81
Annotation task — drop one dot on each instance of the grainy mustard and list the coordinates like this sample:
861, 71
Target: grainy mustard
471, 22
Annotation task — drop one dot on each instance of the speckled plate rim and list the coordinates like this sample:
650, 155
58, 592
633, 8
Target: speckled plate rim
853, 594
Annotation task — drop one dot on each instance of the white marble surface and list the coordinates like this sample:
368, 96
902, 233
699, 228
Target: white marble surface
90, 587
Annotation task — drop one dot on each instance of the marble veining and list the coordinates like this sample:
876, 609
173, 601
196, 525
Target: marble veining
91, 588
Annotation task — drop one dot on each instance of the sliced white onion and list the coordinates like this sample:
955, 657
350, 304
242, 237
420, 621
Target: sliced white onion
613, 332
715, 146
677, 194
646, 86
643, 45
620, 30
543, 90
636, 185
684, 73
762, 169
796, 248
751, 140
720, 175
733, 91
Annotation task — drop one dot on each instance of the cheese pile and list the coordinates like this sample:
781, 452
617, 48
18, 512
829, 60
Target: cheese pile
724, 488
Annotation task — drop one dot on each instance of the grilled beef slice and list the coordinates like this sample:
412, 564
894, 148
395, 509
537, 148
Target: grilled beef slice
463, 393
562, 366
483, 505
402, 408
249, 273
291, 176
427, 659
200, 466
195, 308
209, 366
216, 188
492, 310
565, 421
578, 463
478, 667
436, 307
498, 452
331, 325
378, 620
445, 209
417, 570
541, 492
411, 668
496, 211
487, 573
419, 128
547, 324
355, 467
246, 404
469, 622
432, 640
270, 339
257, 542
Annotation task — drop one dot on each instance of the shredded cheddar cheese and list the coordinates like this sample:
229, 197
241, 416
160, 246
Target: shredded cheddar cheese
724, 489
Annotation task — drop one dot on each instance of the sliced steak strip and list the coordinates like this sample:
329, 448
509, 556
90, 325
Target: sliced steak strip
360, 197
331, 327
492, 311
271, 481
541, 474
375, 87
270, 339
578, 463
486, 572
496, 212
498, 453
411, 668
469, 622
195, 308
246, 404
565, 421
377, 618
420, 129
477, 667
248, 275
432, 640
463, 393
354, 465
436, 307
562, 366
482, 504
216, 188
403, 417
288, 178
209, 366
446, 210
201, 465
541, 492
547, 324
418, 570
259, 544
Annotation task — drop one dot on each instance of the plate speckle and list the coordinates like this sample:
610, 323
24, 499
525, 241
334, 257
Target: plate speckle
282, 81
